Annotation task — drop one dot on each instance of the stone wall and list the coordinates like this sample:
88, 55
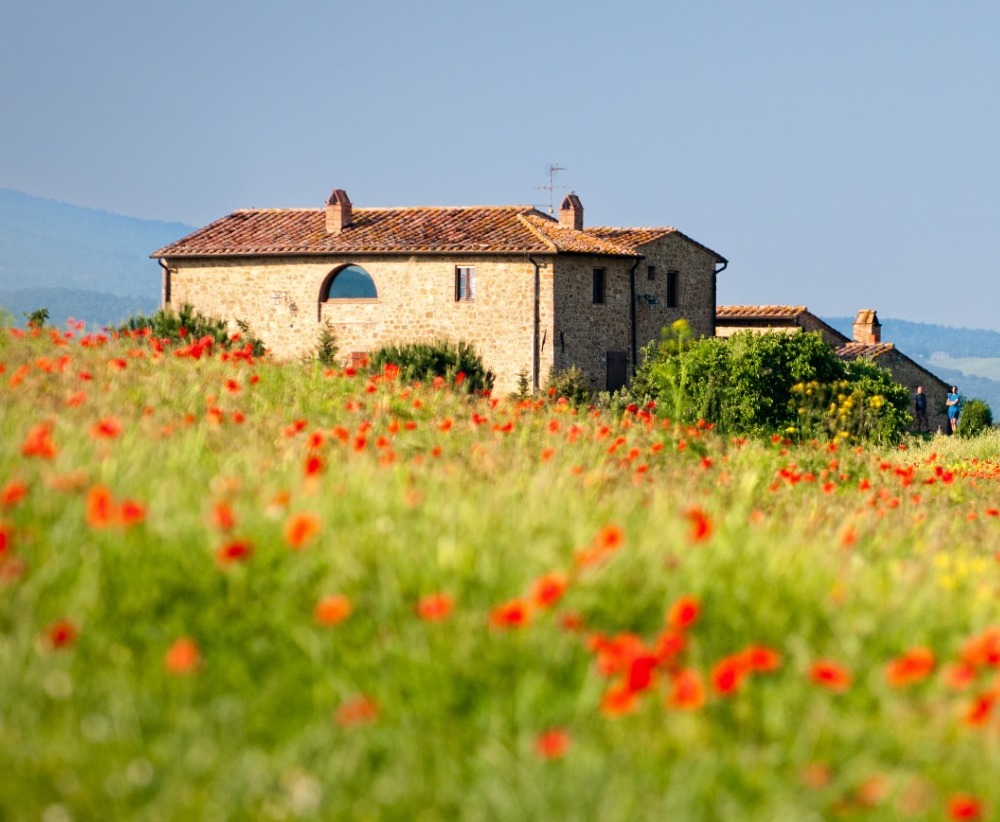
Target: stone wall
584, 333
280, 300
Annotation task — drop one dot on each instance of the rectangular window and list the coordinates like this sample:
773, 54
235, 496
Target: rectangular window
598, 286
650, 272
465, 284
672, 298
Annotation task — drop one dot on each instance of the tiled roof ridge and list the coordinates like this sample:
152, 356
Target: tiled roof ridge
535, 232
520, 209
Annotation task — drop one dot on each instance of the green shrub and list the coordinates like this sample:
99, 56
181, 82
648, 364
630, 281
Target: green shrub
761, 384
976, 417
326, 345
186, 324
570, 384
37, 318
455, 362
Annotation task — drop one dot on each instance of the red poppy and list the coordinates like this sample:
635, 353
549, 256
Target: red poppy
38, 442
552, 744
301, 529
761, 659
618, 700
359, 710
728, 674
332, 609
513, 614
687, 692
965, 806
101, 509
183, 657
683, 613
914, 666
548, 589
701, 525
435, 607
830, 675
61, 634
222, 516
12, 493
234, 551
107, 428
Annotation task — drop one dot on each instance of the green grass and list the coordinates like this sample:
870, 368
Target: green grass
815, 552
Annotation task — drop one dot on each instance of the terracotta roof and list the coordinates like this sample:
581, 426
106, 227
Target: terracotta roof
471, 230
856, 351
759, 312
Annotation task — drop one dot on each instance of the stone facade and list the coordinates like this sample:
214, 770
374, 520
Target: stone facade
533, 310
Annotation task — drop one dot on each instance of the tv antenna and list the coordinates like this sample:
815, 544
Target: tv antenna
554, 169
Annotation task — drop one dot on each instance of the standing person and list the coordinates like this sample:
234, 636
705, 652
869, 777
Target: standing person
954, 403
920, 410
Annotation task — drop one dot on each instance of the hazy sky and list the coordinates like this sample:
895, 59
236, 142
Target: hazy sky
841, 155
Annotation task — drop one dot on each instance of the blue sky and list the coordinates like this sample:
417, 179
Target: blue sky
841, 155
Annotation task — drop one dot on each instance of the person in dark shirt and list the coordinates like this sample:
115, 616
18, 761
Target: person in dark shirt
920, 410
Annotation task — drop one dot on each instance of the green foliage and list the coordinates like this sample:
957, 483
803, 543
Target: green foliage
523, 385
976, 417
570, 384
37, 318
326, 346
761, 384
454, 362
186, 325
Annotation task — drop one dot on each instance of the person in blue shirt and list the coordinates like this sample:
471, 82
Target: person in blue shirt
954, 403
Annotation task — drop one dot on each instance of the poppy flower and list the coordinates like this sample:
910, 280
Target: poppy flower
12, 493
38, 442
301, 529
830, 675
761, 659
701, 525
333, 609
183, 657
552, 744
618, 700
683, 613
222, 516
728, 674
359, 710
234, 551
687, 692
61, 634
914, 666
101, 509
435, 607
107, 429
513, 614
965, 806
548, 589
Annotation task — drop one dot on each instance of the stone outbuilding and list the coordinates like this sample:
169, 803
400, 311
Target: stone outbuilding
533, 293
865, 343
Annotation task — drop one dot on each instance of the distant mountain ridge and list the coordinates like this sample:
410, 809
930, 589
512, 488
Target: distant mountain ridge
78, 262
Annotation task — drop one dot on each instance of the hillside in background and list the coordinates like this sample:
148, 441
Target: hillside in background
78, 262
966, 357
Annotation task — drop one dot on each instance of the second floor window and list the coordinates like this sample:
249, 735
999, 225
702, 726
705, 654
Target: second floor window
598, 286
465, 284
672, 298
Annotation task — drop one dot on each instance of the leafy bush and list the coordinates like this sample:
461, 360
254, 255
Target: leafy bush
759, 384
37, 318
570, 384
187, 324
419, 361
976, 417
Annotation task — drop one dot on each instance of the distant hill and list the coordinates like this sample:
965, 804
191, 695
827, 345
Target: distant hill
78, 262
926, 339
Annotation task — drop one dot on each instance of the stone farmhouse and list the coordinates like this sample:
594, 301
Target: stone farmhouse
866, 344
533, 293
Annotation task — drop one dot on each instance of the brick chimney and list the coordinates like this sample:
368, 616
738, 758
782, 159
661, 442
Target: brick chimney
571, 213
867, 328
338, 211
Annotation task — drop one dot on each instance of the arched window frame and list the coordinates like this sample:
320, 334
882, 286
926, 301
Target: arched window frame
327, 285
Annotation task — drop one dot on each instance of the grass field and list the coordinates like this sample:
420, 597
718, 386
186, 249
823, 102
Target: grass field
243, 590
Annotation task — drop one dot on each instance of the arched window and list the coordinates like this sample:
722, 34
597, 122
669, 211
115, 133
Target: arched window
351, 282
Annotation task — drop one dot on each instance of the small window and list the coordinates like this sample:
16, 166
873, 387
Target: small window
598, 286
351, 282
650, 272
672, 299
465, 284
